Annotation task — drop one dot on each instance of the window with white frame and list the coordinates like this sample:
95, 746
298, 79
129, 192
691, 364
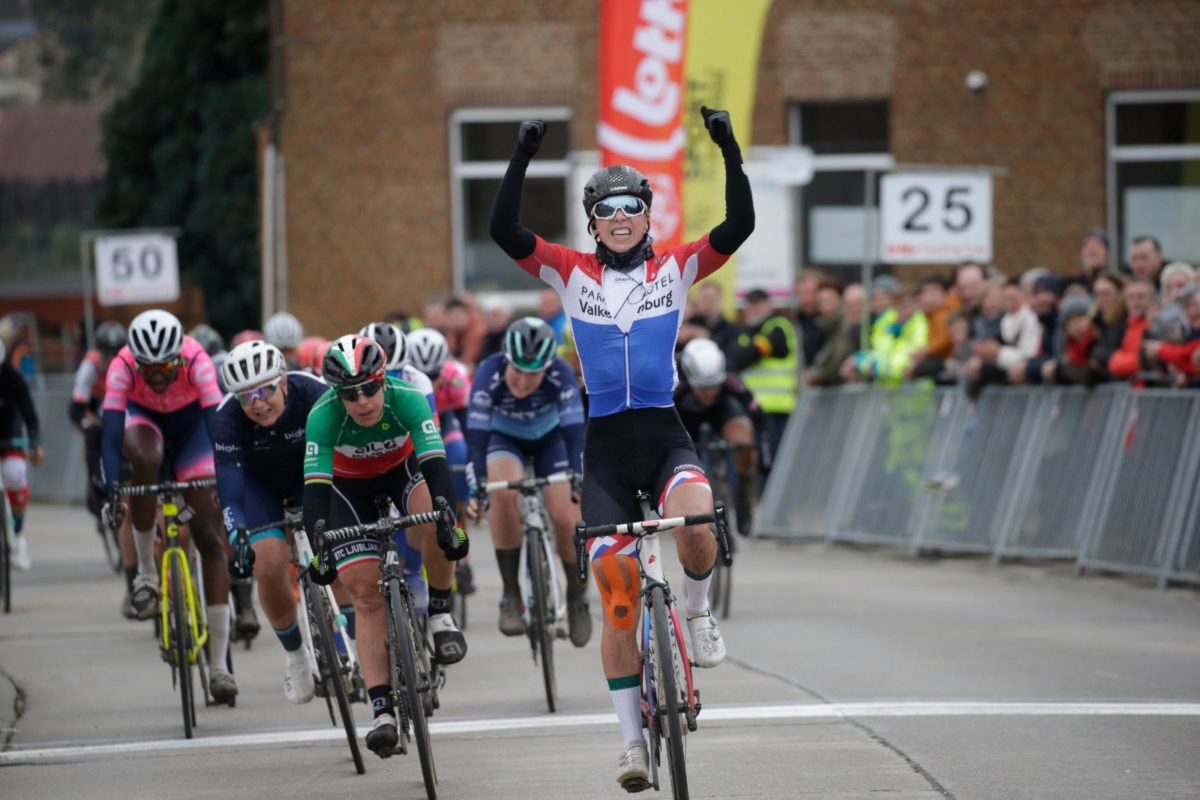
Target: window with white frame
481, 144
1154, 172
847, 139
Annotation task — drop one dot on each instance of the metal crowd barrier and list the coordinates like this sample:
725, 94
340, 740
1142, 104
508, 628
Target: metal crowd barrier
1103, 477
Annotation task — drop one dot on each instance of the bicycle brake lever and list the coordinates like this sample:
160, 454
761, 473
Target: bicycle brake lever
722, 526
580, 556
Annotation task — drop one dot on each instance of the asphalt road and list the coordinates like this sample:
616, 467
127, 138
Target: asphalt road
852, 674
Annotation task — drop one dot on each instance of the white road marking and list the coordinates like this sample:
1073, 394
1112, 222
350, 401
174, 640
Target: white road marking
33, 753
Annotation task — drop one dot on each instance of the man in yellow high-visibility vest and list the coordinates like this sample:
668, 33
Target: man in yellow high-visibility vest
767, 356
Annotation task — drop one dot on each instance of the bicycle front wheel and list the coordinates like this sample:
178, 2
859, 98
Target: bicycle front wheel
541, 613
179, 635
410, 710
330, 670
668, 695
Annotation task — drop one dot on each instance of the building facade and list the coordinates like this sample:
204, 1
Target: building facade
399, 119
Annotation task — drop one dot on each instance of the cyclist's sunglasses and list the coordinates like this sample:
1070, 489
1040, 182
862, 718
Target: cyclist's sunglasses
264, 393
166, 368
351, 393
609, 206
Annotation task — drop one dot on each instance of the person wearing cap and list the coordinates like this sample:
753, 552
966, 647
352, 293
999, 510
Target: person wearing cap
1069, 358
1043, 301
1181, 359
767, 357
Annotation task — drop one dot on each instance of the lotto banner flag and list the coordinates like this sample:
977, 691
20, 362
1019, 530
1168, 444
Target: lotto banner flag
642, 48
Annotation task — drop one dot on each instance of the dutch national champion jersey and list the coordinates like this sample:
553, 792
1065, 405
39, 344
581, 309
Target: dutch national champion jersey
625, 323
337, 446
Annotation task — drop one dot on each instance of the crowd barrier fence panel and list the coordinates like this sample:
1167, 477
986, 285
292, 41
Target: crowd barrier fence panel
62, 477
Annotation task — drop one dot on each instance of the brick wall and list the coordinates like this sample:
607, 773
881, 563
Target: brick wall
371, 85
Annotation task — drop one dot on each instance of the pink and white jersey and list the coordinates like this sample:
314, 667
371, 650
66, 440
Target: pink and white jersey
625, 323
453, 387
196, 380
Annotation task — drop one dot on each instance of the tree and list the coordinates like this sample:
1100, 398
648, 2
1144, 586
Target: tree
180, 147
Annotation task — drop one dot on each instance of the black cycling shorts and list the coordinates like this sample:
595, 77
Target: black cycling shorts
642, 448
354, 504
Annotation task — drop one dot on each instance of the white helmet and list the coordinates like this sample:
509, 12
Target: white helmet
283, 330
155, 337
703, 363
252, 364
391, 339
428, 351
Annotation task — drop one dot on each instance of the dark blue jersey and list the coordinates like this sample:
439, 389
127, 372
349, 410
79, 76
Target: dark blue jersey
554, 406
246, 452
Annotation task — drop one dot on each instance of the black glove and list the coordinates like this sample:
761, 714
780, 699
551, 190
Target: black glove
241, 563
321, 568
451, 538
529, 137
483, 501
719, 127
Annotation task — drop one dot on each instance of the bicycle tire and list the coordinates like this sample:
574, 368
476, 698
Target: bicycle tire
668, 691
413, 711
5, 556
180, 634
112, 547
327, 657
541, 616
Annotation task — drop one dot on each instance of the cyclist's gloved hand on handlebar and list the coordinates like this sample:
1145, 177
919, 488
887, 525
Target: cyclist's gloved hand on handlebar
241, 562
450, 537
322, 569
113, 511
479, 503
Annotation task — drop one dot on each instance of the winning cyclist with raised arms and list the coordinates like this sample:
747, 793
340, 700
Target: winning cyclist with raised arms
625, 303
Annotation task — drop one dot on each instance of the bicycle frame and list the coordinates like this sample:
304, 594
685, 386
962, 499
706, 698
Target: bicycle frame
195, 607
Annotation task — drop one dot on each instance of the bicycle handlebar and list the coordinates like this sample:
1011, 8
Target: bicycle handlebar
530, 484
650, 527
384, 526
169, 487
292, 518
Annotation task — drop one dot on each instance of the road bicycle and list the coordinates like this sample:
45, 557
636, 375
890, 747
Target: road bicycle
181, 622
322, 627
545, 597
416, 676
6, 534
716, 454
670, 701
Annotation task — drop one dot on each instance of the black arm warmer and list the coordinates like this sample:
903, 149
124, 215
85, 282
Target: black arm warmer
317, 499
439, 478
505, 227
739, 205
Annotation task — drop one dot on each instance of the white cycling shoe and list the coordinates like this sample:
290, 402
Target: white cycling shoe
298, 683
20, 553
708, 647
633, 770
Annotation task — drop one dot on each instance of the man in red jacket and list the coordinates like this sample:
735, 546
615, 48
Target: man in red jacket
1126, 361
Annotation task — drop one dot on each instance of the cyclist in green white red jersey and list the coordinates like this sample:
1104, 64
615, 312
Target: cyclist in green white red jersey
372, 436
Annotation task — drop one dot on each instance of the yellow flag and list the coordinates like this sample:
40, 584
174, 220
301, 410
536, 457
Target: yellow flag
721, 69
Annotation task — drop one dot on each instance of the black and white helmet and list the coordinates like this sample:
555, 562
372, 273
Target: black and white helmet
428, 351
703, 363
252, 364
391, 339
283, 330
615, 180
111, 337
155, 337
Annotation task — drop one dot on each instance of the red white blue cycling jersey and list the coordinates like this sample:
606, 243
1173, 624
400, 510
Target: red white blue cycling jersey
625, 323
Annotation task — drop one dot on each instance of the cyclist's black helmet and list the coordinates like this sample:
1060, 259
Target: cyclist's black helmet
529, 344
614, 180
110, 337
